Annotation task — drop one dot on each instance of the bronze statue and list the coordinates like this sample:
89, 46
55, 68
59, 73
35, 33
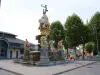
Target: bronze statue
44, 10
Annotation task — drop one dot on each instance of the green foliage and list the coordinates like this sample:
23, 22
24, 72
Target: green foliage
65, 43
95, 19
90, 47
95, 49
74, 30
94, 25
57, 32
89, 33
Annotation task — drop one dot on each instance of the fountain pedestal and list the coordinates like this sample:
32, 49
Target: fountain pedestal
44, 59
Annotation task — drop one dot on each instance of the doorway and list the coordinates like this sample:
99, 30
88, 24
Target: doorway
11, 54
17, 54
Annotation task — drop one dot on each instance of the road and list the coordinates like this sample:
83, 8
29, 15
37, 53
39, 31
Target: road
93, 69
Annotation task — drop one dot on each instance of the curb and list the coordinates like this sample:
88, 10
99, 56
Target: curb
73, 68
11, 71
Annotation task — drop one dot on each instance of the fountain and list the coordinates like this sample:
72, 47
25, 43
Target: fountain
47, 50
46, 53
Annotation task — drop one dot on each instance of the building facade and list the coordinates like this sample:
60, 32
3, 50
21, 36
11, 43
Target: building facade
12, 47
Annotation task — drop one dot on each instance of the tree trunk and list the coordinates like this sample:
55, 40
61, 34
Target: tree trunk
75, 52
67, 54
83, 50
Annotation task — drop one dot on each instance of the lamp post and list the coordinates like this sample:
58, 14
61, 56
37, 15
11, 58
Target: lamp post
95, 30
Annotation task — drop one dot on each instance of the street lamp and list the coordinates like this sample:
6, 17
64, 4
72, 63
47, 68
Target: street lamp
95, 30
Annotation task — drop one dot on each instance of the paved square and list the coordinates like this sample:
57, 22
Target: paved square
39, 70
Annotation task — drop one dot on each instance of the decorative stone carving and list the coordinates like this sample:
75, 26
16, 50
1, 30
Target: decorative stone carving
44, 23
26, 45
60, 46
44, 43
44, 19
52, 45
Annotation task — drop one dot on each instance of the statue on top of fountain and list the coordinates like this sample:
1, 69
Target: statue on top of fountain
44, 10
44, 22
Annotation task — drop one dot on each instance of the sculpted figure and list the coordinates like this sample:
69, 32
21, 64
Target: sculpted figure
44, 20
60, 46
44, 43
26, 50
26, 45
52, 45
44, 10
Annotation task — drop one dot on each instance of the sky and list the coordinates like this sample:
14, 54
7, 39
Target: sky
0, 3
21, 17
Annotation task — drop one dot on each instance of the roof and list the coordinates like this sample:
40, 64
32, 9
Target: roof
16, 40
13, 40
7, 33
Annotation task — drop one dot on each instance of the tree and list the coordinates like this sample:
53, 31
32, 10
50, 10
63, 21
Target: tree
65, 43
95, 50
57, 32
90, 47
95, 28
88, 34
74, 29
